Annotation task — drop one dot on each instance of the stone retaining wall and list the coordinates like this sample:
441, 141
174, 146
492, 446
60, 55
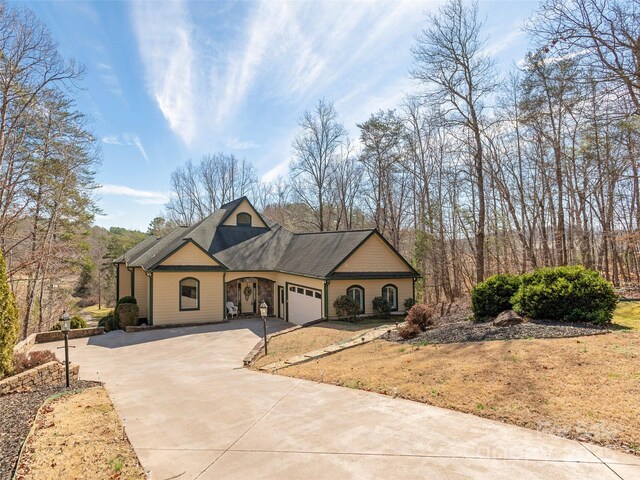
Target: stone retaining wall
48, 374
57, 335
25, 345
144, 328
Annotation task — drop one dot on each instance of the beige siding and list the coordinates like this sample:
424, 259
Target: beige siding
245, 207
124, 281
141, 285
281, 279
284, 278
374, 256
372, 288
166, 301
189, 254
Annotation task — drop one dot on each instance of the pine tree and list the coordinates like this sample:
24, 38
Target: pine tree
9, 323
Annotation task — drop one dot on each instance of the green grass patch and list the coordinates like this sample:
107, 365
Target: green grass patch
95, 312
627, 316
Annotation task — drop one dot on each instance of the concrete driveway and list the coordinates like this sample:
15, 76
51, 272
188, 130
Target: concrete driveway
192, 412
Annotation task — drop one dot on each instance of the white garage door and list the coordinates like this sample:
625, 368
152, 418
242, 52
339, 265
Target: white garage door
305, 304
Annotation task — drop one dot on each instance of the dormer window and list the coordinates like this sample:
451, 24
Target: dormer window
243, 219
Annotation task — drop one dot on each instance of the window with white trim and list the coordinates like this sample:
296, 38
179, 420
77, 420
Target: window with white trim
189, 294
390, 294
356, 292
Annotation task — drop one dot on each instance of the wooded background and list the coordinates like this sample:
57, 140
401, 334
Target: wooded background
476, 172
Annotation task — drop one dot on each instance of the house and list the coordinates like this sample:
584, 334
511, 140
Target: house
235, 255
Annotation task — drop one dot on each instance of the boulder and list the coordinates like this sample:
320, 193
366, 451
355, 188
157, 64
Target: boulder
508, 318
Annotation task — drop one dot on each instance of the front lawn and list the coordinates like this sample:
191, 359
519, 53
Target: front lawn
627, 315
79, 435
95, 313
585, 388
314, 337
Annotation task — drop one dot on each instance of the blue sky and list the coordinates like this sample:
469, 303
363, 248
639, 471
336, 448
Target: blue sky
170, 81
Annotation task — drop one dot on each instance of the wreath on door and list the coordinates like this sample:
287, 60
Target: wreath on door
247, 292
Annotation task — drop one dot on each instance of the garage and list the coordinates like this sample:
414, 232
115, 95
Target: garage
305, 304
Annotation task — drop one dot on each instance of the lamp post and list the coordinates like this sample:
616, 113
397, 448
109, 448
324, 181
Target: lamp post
263, 314
65, 326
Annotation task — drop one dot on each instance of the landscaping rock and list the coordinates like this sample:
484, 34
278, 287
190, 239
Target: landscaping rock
507, 319
17, 411
467, 331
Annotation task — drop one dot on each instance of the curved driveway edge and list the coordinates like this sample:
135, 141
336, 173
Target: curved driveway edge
193, 412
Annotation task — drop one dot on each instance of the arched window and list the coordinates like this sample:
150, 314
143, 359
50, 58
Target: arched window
243, 219
390, 294
357, 293
189, 294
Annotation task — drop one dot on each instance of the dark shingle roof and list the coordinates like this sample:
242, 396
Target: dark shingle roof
160, 249
317, 254
253, 248
136, 251
262, 252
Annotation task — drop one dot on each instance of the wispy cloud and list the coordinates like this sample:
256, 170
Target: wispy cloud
110, 78
277, 171
127, 139
165, 42
237, 144
143, 197
290, 52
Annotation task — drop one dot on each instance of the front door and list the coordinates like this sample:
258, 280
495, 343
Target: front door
247, 297
281, 302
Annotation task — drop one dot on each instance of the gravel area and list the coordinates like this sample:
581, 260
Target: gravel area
466, 331
17, 413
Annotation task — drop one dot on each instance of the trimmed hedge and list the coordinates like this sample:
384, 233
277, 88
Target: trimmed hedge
408, 303
127, 299
573, 294
346, 308
76, 322
493, 296
126, 315
381, 307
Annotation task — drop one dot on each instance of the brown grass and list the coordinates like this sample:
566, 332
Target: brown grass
312, 338
79, 436
586, 388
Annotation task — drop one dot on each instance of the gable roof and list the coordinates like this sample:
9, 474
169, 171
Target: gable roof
257, 248
317, 254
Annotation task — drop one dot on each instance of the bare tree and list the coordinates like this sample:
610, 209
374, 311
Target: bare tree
600, 34
199, 189
450, 62
317, 148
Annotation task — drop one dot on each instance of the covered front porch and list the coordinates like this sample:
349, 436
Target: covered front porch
247, 293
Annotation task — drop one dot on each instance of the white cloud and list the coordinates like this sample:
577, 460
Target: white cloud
277, 171
164, 34
127, 139
203, 79
112, 140
109, 78
143, 197
503, 42
237, 144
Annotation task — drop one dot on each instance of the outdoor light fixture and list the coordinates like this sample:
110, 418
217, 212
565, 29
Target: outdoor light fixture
65, 322
65, 326
263, 314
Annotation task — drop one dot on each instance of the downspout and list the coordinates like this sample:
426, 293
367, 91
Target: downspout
414, 289
133, 281
117, 282
224, 296
150, 314
326, 299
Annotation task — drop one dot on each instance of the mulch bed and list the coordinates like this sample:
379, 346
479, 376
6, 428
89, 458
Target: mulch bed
467, 331
17, 413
